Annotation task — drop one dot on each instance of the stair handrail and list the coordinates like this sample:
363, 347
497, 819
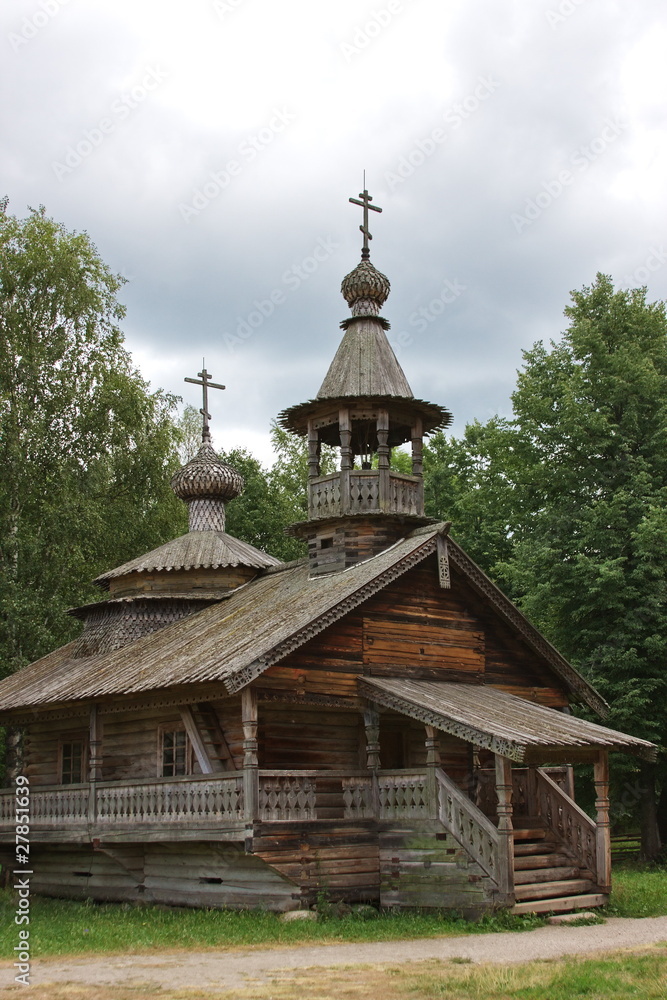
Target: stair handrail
566, 820
468, 826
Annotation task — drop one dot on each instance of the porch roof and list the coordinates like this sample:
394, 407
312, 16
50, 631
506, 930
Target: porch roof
501, 722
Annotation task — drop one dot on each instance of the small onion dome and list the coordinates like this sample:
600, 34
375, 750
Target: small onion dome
365, 289
206, 477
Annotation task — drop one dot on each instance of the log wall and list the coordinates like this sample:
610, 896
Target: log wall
183, 874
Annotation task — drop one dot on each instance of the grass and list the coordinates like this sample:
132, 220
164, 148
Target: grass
638, 890
63, 927
620, 976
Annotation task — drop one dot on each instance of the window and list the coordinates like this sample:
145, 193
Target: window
175, 752
72, 761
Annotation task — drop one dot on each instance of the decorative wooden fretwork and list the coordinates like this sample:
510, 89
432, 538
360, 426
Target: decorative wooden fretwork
468, 825
567, 820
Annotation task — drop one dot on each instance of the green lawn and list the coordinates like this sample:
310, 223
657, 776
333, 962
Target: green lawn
60, 927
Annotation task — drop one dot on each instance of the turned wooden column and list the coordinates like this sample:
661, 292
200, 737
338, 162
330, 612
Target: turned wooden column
94, 760
383, 459
314, 449
602, 831
432, 764
250, 755
418, 460
372, 728
345, 431
505, 828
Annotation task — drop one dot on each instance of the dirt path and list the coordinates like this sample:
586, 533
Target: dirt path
225, 970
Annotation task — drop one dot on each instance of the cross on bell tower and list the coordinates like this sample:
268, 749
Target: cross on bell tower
204, 381
365, 203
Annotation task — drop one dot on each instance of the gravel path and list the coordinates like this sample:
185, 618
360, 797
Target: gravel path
230, 969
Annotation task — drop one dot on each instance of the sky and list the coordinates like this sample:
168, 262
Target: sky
209, 149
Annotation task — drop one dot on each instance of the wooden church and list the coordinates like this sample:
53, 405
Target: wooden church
376, 722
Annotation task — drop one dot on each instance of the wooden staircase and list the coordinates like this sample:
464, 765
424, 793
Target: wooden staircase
547, 878
208, 723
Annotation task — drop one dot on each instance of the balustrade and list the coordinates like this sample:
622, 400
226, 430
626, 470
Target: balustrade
284, 797
403, 795
469, 826
566, 820
364, 494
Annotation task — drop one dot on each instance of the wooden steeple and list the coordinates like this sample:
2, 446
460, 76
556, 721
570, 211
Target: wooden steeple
365, 407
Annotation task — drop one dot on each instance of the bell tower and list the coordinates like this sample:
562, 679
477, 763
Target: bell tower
365, 408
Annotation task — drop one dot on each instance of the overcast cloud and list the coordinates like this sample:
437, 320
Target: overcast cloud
210, 149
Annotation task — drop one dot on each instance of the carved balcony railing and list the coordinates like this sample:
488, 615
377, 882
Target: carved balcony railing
365, 491
469, 826
287, 797
201, 801
102, 807
565, 819
403, 795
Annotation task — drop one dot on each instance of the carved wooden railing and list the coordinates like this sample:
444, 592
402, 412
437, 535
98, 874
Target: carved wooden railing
565, 819
403, 795
324, 496
51, 806
358, 797
158, 801
286, 796
469, 826
203, 800
364, 491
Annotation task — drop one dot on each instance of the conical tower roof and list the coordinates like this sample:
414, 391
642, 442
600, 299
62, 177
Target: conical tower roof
364, 364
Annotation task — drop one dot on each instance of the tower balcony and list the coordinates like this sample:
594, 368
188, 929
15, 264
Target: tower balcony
365, 491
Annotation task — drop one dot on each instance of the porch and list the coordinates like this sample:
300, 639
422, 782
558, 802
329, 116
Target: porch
569, 867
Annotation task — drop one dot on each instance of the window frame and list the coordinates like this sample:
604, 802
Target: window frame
166, 728
81, 738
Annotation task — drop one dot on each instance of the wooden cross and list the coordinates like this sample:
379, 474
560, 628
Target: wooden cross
365, 204
203, 381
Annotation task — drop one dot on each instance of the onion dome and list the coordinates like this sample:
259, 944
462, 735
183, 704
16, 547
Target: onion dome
206, 476
206, 484
365, 289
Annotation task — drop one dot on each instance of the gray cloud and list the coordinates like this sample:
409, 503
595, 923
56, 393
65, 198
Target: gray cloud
258, 115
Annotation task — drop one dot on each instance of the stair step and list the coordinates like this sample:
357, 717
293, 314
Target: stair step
530, 833
532, 877
524, 861
564, 904
543, 890
527, 847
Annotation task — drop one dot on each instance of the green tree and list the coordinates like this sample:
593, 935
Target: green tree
86, 449
591, 412
477, 482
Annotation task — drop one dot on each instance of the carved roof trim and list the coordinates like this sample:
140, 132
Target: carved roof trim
497, 720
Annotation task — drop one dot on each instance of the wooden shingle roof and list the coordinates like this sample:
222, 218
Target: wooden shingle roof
487, 717
255, 626
364, 365
196, 550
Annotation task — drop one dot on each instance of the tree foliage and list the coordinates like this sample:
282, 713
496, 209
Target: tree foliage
566, 504
86, 449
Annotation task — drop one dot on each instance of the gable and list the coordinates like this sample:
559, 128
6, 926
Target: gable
415, 628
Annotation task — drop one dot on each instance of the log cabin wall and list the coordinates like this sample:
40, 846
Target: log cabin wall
41, 746
414, 628
129, 744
